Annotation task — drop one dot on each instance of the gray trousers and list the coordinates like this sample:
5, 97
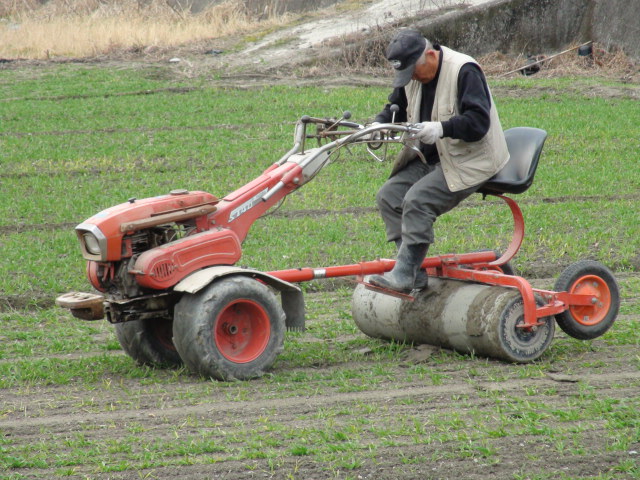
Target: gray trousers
411, 200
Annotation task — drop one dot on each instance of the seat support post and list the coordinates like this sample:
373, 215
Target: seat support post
518, 231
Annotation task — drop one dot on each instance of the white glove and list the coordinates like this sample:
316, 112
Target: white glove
430, 132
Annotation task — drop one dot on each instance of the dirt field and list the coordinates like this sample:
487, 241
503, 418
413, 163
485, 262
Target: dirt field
469, 395
408, 413
425, 413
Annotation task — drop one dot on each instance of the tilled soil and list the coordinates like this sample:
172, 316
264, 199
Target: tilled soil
403, 425
415, 426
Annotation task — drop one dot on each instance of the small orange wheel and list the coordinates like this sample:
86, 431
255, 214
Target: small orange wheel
594, 286
588, 277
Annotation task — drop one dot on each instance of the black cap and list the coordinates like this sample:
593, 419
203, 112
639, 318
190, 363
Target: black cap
403, 52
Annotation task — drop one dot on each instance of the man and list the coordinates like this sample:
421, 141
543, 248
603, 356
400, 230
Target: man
461, 142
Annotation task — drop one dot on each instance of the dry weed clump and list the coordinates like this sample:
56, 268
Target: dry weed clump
365, 54
606, 62
358, 52
86, 28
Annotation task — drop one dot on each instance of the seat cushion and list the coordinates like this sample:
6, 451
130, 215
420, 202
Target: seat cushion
525, 146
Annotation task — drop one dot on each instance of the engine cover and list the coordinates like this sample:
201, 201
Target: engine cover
164, 266
110, 225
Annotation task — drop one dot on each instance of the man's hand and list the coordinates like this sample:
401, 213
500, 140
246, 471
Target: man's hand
430, 132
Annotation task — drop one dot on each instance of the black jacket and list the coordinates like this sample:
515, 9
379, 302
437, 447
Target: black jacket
474, 104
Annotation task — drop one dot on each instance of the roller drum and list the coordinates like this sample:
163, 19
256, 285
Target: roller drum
462, 316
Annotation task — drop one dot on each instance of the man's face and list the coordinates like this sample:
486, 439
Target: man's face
426, 71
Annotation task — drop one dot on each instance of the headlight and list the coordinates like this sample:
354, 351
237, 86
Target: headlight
91, 243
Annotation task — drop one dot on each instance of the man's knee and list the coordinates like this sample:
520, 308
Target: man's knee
417, 199
384, 196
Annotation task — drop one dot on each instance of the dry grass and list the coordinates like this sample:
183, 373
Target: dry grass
366, 54
86, 28
611, 63
356, 52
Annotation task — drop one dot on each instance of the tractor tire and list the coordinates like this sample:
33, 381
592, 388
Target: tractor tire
586, 322
231, 330
149, 342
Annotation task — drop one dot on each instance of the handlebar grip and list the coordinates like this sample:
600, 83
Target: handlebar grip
278, 186
350, 124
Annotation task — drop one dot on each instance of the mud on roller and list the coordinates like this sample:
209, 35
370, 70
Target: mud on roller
461, 316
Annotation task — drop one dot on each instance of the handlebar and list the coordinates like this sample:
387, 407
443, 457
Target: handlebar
358, 134
328, 129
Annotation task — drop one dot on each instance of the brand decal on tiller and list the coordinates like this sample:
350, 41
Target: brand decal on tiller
249, 204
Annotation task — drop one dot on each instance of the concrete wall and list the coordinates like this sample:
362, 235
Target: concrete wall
617, 22
538, 26
512, 26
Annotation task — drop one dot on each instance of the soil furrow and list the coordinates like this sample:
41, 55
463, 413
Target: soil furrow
101, 131
16, 423
58, 98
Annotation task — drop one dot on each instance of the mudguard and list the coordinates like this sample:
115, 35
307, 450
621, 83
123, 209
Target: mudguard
291, 295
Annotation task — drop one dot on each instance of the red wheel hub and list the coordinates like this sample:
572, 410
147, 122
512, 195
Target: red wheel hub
595, 286
242, 331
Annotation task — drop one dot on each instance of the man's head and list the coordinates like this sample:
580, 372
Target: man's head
412, 56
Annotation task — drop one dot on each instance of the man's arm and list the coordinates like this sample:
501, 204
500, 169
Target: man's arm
474, 105
397, 97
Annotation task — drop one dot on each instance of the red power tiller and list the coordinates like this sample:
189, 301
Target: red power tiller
165, 270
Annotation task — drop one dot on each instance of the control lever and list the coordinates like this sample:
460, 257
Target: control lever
394, 109
346, 115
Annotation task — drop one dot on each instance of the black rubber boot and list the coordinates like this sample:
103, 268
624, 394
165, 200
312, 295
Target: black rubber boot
403, 276
422, 279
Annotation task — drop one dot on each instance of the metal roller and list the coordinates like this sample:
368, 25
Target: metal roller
462, 316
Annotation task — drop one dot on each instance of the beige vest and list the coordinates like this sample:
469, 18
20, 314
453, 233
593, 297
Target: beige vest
465, 164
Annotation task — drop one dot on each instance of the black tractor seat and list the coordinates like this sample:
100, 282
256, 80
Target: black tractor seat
525, 145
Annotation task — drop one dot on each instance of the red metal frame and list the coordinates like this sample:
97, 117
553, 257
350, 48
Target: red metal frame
482, 267
222, 224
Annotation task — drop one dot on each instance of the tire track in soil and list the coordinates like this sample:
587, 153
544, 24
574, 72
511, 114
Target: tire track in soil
252, 81
216, 420
58, 98
102, 131
19, 424
190, 410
